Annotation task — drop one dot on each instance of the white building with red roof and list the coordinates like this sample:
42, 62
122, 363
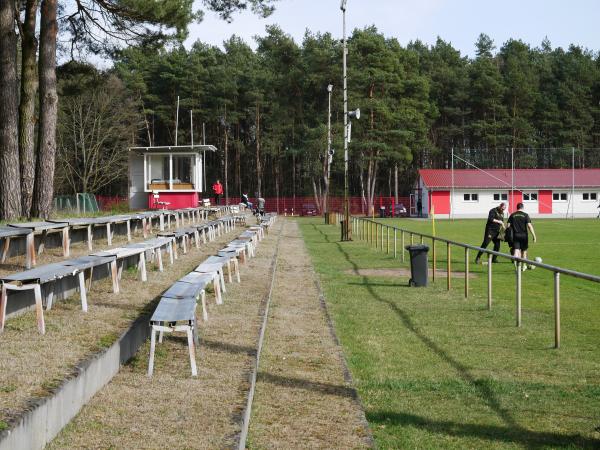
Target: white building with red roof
465, 193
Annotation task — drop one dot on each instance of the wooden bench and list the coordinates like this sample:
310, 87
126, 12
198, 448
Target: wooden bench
44, 228
172, 315
9, 233
45, 276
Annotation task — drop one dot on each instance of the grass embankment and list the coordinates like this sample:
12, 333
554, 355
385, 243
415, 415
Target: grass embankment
436, 370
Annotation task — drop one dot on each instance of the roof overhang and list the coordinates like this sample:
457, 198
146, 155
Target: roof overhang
174, 149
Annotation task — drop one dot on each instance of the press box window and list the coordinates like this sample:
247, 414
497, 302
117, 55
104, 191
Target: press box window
590, 196
471, 197
530, 196
559, 196
498, 197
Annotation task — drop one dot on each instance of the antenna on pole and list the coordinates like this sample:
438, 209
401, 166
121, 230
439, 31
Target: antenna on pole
177, 121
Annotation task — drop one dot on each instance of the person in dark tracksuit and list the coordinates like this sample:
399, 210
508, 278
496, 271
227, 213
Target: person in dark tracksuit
520, 222
494, 223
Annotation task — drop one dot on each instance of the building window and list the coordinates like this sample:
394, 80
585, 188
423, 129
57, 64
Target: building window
471, 197
590, 196
530, 196
498, 197
559, 196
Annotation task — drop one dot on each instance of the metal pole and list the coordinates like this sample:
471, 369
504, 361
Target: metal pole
387, 232
395, 244
512, 206
345, 75
556, 310
403, 249
519, 273
448, 266
177, 121
489, 280
466, 272
433, 257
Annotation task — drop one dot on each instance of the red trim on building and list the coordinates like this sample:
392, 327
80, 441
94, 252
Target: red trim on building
440, 201
514, 197
176, 200
545, 202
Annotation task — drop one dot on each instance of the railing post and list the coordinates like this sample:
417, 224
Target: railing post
403, 249
466, 272
448, 266
489, 280
387, 232
556, 310
382, 226
376, 235
421, 239
412, 239
395, 243
434, 259
519, 273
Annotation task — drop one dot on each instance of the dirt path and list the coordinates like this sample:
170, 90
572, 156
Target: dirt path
302, 399
173, 410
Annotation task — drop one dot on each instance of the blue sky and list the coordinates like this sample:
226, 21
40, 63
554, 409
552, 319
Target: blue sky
458, 21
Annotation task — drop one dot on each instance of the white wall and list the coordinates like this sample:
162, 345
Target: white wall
138, 199
480, 208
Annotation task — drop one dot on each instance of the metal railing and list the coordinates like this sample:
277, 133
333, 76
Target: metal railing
379, 234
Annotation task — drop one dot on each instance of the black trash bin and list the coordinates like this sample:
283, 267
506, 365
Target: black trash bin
382, 211
418, 265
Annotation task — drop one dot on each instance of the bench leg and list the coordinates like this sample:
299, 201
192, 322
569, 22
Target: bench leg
89, 279
184, 243
217, 288
144, 229
197, 238
223, 288
5, 249
128, 230
142, 266
229, 271
89, 237
152, 349
204, 236
170, 250
49, 296
195, 332
82, 292
161, 222
159, 257
66, 242
39, 310
237, 270
108, 235
30, 244
3, 301
120, 269
174, 247
192, 349
114, 274
203, 301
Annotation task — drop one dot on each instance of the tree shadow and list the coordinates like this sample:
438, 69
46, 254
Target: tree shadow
513, 430
527, 438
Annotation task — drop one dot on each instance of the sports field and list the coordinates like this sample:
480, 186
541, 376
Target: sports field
436, 370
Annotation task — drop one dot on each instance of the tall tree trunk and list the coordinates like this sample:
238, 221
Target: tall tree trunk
258, 165
44, 180
276, 170
238, 149
27, 118
10, 190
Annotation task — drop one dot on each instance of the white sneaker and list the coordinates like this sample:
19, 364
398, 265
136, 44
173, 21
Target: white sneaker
524, 267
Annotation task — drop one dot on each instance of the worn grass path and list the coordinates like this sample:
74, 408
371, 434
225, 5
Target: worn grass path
172, 409
302, 399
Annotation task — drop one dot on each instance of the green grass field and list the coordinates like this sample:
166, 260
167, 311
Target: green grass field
436, 370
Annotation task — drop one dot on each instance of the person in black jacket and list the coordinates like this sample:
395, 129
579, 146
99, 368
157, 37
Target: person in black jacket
494, 224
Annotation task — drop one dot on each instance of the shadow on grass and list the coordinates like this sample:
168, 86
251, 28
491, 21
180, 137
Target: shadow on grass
527, 438
229, 348
300, 383
513, 432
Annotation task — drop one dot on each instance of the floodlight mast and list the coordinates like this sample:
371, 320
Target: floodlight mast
329, 155
346, 221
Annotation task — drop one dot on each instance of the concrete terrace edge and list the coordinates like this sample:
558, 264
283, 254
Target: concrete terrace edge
47, 416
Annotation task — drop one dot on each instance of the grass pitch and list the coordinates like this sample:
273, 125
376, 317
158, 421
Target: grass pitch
436, 370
